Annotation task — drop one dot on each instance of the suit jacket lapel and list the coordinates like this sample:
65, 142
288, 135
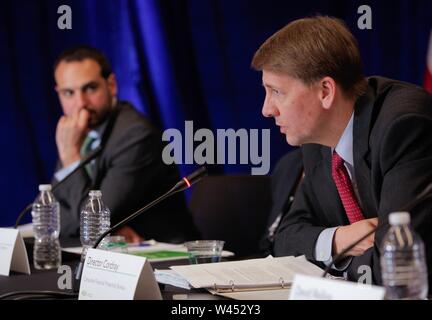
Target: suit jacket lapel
363, 115
105, 133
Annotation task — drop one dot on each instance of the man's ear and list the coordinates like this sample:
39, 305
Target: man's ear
327, 92
112, 84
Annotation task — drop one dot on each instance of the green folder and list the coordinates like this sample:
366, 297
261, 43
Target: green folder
161, 254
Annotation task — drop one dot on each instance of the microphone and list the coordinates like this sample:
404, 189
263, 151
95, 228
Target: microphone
183, 184
83, 162
426, 193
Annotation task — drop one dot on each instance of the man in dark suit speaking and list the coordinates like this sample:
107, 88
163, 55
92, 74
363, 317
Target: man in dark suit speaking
366, 144
129, 171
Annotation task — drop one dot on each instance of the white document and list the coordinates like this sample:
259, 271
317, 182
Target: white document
313, 288
13, 253
115, 276
247, 275
151, 246
170, 277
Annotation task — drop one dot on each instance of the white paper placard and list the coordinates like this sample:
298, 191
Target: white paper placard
13, 253
116, 276
313, 288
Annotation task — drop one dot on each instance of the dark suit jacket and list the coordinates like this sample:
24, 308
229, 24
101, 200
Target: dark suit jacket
392, 164
284, 183
130, 173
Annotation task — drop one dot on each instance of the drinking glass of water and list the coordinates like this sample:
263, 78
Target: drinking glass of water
204, 251
117, 244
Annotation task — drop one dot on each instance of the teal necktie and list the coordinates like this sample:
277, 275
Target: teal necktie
86, 148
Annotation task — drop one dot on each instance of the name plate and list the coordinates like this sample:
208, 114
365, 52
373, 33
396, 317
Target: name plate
116, 276
313, 288
13, 253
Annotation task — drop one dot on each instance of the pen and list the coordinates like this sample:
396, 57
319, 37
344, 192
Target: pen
143, 243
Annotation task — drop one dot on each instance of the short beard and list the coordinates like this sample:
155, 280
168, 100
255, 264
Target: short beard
105, 114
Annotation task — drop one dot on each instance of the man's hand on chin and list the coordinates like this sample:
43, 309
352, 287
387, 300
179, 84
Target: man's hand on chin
70, 134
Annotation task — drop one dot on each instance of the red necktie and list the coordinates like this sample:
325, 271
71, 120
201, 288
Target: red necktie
345, 189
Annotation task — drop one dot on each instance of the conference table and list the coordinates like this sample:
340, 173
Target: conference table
47, 280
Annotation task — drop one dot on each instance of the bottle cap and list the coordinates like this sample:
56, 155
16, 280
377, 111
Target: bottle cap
44, 187
399, 218
95, 193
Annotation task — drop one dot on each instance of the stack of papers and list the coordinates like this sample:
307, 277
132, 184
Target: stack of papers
247, 275
260, 279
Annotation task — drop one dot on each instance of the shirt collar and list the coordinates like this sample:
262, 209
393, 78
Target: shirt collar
344, 148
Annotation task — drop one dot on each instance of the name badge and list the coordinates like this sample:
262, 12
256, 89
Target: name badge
116, 276
313, 288
13, 253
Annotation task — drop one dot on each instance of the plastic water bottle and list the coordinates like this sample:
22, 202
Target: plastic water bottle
46, 227
403, 266
95, 220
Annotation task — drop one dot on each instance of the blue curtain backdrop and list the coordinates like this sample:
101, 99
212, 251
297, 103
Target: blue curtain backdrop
174, 60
